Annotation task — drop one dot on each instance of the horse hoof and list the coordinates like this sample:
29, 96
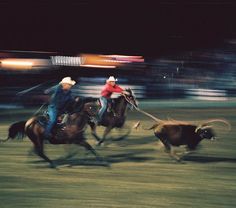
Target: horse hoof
100, 144
167, 151
178, 160
99, 159
102, 161
52, 165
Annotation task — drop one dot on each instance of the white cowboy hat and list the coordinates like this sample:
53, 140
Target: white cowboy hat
112, 79
68, 80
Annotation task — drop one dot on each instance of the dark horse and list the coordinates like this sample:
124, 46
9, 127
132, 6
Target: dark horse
71, 133
114, 119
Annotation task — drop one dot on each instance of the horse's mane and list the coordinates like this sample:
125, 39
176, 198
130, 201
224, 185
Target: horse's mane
78, 106
117, 100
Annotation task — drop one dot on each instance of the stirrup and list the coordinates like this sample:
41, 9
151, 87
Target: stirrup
94, 120
65, 118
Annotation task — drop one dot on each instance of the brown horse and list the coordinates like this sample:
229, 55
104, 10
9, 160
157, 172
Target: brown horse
71, 133
114, 119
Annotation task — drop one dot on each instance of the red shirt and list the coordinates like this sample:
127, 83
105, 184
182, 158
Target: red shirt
109, 89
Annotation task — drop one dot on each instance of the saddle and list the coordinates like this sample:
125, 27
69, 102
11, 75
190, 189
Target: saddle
61, 121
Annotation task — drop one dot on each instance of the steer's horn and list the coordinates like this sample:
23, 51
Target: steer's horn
202, 127
220, 121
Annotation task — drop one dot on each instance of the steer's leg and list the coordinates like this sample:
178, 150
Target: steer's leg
168, 148
189, 149
164, 141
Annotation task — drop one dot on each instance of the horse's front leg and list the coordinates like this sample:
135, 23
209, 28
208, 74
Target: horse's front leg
87, 146
106, 132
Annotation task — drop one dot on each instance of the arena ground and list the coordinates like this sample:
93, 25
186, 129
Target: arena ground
135, 173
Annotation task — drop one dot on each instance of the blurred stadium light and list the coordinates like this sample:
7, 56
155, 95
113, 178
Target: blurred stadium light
206, 94
24, 63
16, 63
95, 60
66, 60
206, 74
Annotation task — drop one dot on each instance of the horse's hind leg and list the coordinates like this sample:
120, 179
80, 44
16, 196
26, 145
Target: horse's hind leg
41, 154
38, 148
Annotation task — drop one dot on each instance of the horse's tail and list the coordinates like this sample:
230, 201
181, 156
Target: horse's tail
16, 131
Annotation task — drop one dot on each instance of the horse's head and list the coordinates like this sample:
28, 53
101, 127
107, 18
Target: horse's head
90, 108
130, 98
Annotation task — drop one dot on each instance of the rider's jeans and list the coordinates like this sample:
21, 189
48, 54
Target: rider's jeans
103, 101
52, 113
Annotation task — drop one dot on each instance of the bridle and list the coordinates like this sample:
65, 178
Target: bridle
129, 101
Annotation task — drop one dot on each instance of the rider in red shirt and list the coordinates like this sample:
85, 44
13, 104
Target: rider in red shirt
110, 87
106, 93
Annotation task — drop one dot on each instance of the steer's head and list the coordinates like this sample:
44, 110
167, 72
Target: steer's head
205, 132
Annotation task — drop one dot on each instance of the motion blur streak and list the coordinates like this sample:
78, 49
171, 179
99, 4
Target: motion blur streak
16, 63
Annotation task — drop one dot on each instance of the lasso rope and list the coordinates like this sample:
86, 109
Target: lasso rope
141, 111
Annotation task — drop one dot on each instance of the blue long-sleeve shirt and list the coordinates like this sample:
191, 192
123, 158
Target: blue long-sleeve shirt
59, 98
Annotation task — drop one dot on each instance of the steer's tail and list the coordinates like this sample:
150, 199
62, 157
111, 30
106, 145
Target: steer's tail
152, 127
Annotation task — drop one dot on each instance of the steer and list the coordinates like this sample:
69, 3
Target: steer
176, 133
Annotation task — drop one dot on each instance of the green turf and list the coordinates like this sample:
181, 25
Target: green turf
135, 173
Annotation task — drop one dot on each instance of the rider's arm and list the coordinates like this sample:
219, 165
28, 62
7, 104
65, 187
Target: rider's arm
116, 88
51, 90
120, 90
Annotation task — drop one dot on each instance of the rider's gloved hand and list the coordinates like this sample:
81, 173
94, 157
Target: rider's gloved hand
125, 92
77, 99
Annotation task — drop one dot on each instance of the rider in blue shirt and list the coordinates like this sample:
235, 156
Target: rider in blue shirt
61, 97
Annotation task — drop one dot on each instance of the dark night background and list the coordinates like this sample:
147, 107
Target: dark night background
151, 29
186, 44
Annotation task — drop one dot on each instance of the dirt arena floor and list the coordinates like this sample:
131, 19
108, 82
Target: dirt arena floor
135, 172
